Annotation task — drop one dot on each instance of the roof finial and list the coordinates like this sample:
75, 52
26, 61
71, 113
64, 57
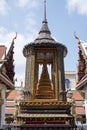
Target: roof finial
14, 37
44, 10
77, 37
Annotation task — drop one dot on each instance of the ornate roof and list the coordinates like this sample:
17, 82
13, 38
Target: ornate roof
7, 67
44, 38
83, 46
44, 34
82, 84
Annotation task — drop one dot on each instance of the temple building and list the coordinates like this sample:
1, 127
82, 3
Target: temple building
43, 104
70, 83
82, 72
6, 77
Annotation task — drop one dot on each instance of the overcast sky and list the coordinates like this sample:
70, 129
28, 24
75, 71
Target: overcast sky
25, 17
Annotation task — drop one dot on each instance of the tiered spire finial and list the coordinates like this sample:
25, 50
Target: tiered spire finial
44, 10
44, 33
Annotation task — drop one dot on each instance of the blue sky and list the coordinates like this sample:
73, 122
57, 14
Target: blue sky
25, 17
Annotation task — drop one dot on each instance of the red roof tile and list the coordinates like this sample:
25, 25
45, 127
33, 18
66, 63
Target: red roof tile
8, 103
13, 94
80, 110
10, 110
77, 95
2, 51
79, 102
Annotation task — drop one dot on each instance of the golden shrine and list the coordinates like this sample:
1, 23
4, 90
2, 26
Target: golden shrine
43, 105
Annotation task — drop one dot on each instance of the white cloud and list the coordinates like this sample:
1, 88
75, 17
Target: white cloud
4, 8
27, 3
30, 22
80, 6
2, 30
22, 39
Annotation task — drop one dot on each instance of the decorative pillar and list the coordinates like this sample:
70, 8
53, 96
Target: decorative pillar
61, 74
29, 76
3, 91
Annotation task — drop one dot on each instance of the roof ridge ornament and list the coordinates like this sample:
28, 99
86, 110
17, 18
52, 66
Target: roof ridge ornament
15, 37
77, 38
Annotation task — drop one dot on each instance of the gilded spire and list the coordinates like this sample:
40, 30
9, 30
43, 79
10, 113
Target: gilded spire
44, 88
45, 10
44, 33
